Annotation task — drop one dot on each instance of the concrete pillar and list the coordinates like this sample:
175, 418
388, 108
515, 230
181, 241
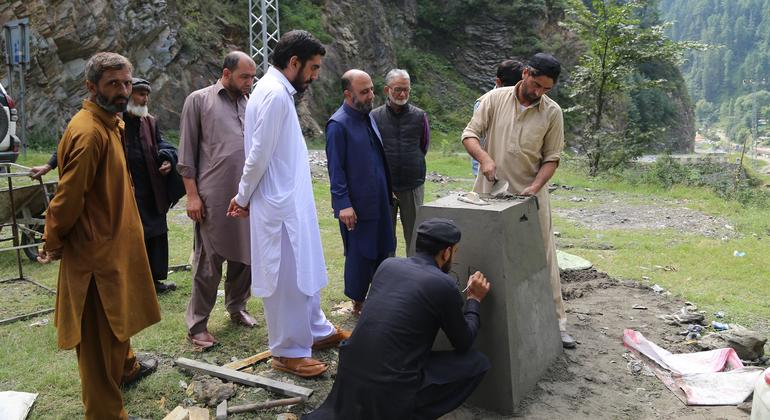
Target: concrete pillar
519, 331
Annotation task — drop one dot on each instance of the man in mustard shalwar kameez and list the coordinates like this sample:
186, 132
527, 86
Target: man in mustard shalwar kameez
105, 288
524, 131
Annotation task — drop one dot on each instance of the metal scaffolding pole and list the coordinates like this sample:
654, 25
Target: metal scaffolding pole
264, 32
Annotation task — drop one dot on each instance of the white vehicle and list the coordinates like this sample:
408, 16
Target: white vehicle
9, 142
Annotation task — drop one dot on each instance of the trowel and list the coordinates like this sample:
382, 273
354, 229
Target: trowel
499, 188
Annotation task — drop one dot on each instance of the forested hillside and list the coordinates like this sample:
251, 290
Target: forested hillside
721, 79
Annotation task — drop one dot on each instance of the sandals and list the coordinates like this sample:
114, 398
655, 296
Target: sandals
304, 367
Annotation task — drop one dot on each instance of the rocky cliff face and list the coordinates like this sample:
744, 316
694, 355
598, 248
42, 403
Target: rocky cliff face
451, 48
365, 34
65, 33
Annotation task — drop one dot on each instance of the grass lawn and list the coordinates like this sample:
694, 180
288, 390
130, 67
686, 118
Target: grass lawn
707, 273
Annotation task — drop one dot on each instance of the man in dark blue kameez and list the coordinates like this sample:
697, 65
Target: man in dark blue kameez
360, 185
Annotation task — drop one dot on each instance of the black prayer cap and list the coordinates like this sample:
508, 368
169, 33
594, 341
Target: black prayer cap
545, 64
141, 84
439, 230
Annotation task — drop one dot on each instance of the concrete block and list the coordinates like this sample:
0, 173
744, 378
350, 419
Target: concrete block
519, 331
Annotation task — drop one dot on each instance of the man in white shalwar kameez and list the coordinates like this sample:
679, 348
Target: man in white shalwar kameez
288, 268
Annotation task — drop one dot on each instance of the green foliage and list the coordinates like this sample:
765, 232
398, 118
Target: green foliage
617, 43
440, 91
719, 177
208, 24
42, 138
741, 30
304, 14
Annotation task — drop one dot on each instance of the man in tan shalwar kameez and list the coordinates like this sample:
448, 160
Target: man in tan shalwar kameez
524, 132
105, 289
211, 159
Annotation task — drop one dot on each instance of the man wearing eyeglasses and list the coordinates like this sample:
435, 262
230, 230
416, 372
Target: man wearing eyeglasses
524, 131
405, 137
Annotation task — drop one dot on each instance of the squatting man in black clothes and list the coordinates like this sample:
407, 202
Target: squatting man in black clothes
387, 369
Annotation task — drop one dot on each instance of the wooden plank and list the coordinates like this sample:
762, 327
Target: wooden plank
178, 413
198, 413
241, 364
25, 316
244, 378
222, 410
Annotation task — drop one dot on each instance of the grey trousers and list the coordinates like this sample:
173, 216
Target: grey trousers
407, 202
207, 273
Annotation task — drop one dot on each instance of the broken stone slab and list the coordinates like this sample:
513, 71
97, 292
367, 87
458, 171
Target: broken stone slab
569, 262
749, 345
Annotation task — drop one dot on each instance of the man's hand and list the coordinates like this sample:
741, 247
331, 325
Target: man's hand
195, 209
348, 217
488, 168
165, 168
531, 190
37, 172
45, 257
236, 210
478, 286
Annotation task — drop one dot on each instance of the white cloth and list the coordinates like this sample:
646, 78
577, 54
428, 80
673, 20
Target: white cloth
276, 185
308, 322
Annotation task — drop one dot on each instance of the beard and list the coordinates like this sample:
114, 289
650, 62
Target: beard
398, 102
447, 266
137, 110
236, 90
109, 104
298, 83
362, 106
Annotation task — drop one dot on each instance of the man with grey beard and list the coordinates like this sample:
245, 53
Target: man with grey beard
151, 161
405, 137
360, 185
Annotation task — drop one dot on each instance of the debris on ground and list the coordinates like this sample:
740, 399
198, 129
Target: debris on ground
657, 289
693, 331
436, 177
568, 261
715, 377
343, 308
719, 314
41, 323
737, 253
750, 345
212, 391
16, 405
719, 326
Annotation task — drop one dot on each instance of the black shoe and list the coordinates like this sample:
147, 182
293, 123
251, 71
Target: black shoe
146, 368
567, 341
161, 287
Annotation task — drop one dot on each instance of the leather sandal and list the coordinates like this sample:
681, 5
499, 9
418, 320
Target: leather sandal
333, 340
304, 367
202, 340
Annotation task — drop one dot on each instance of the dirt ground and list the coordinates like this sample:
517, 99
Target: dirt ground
600, 379
608, 211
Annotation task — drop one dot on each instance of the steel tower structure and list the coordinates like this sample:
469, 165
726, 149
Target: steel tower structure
264, 31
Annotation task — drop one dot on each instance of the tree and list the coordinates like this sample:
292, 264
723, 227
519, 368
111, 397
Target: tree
616, 45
